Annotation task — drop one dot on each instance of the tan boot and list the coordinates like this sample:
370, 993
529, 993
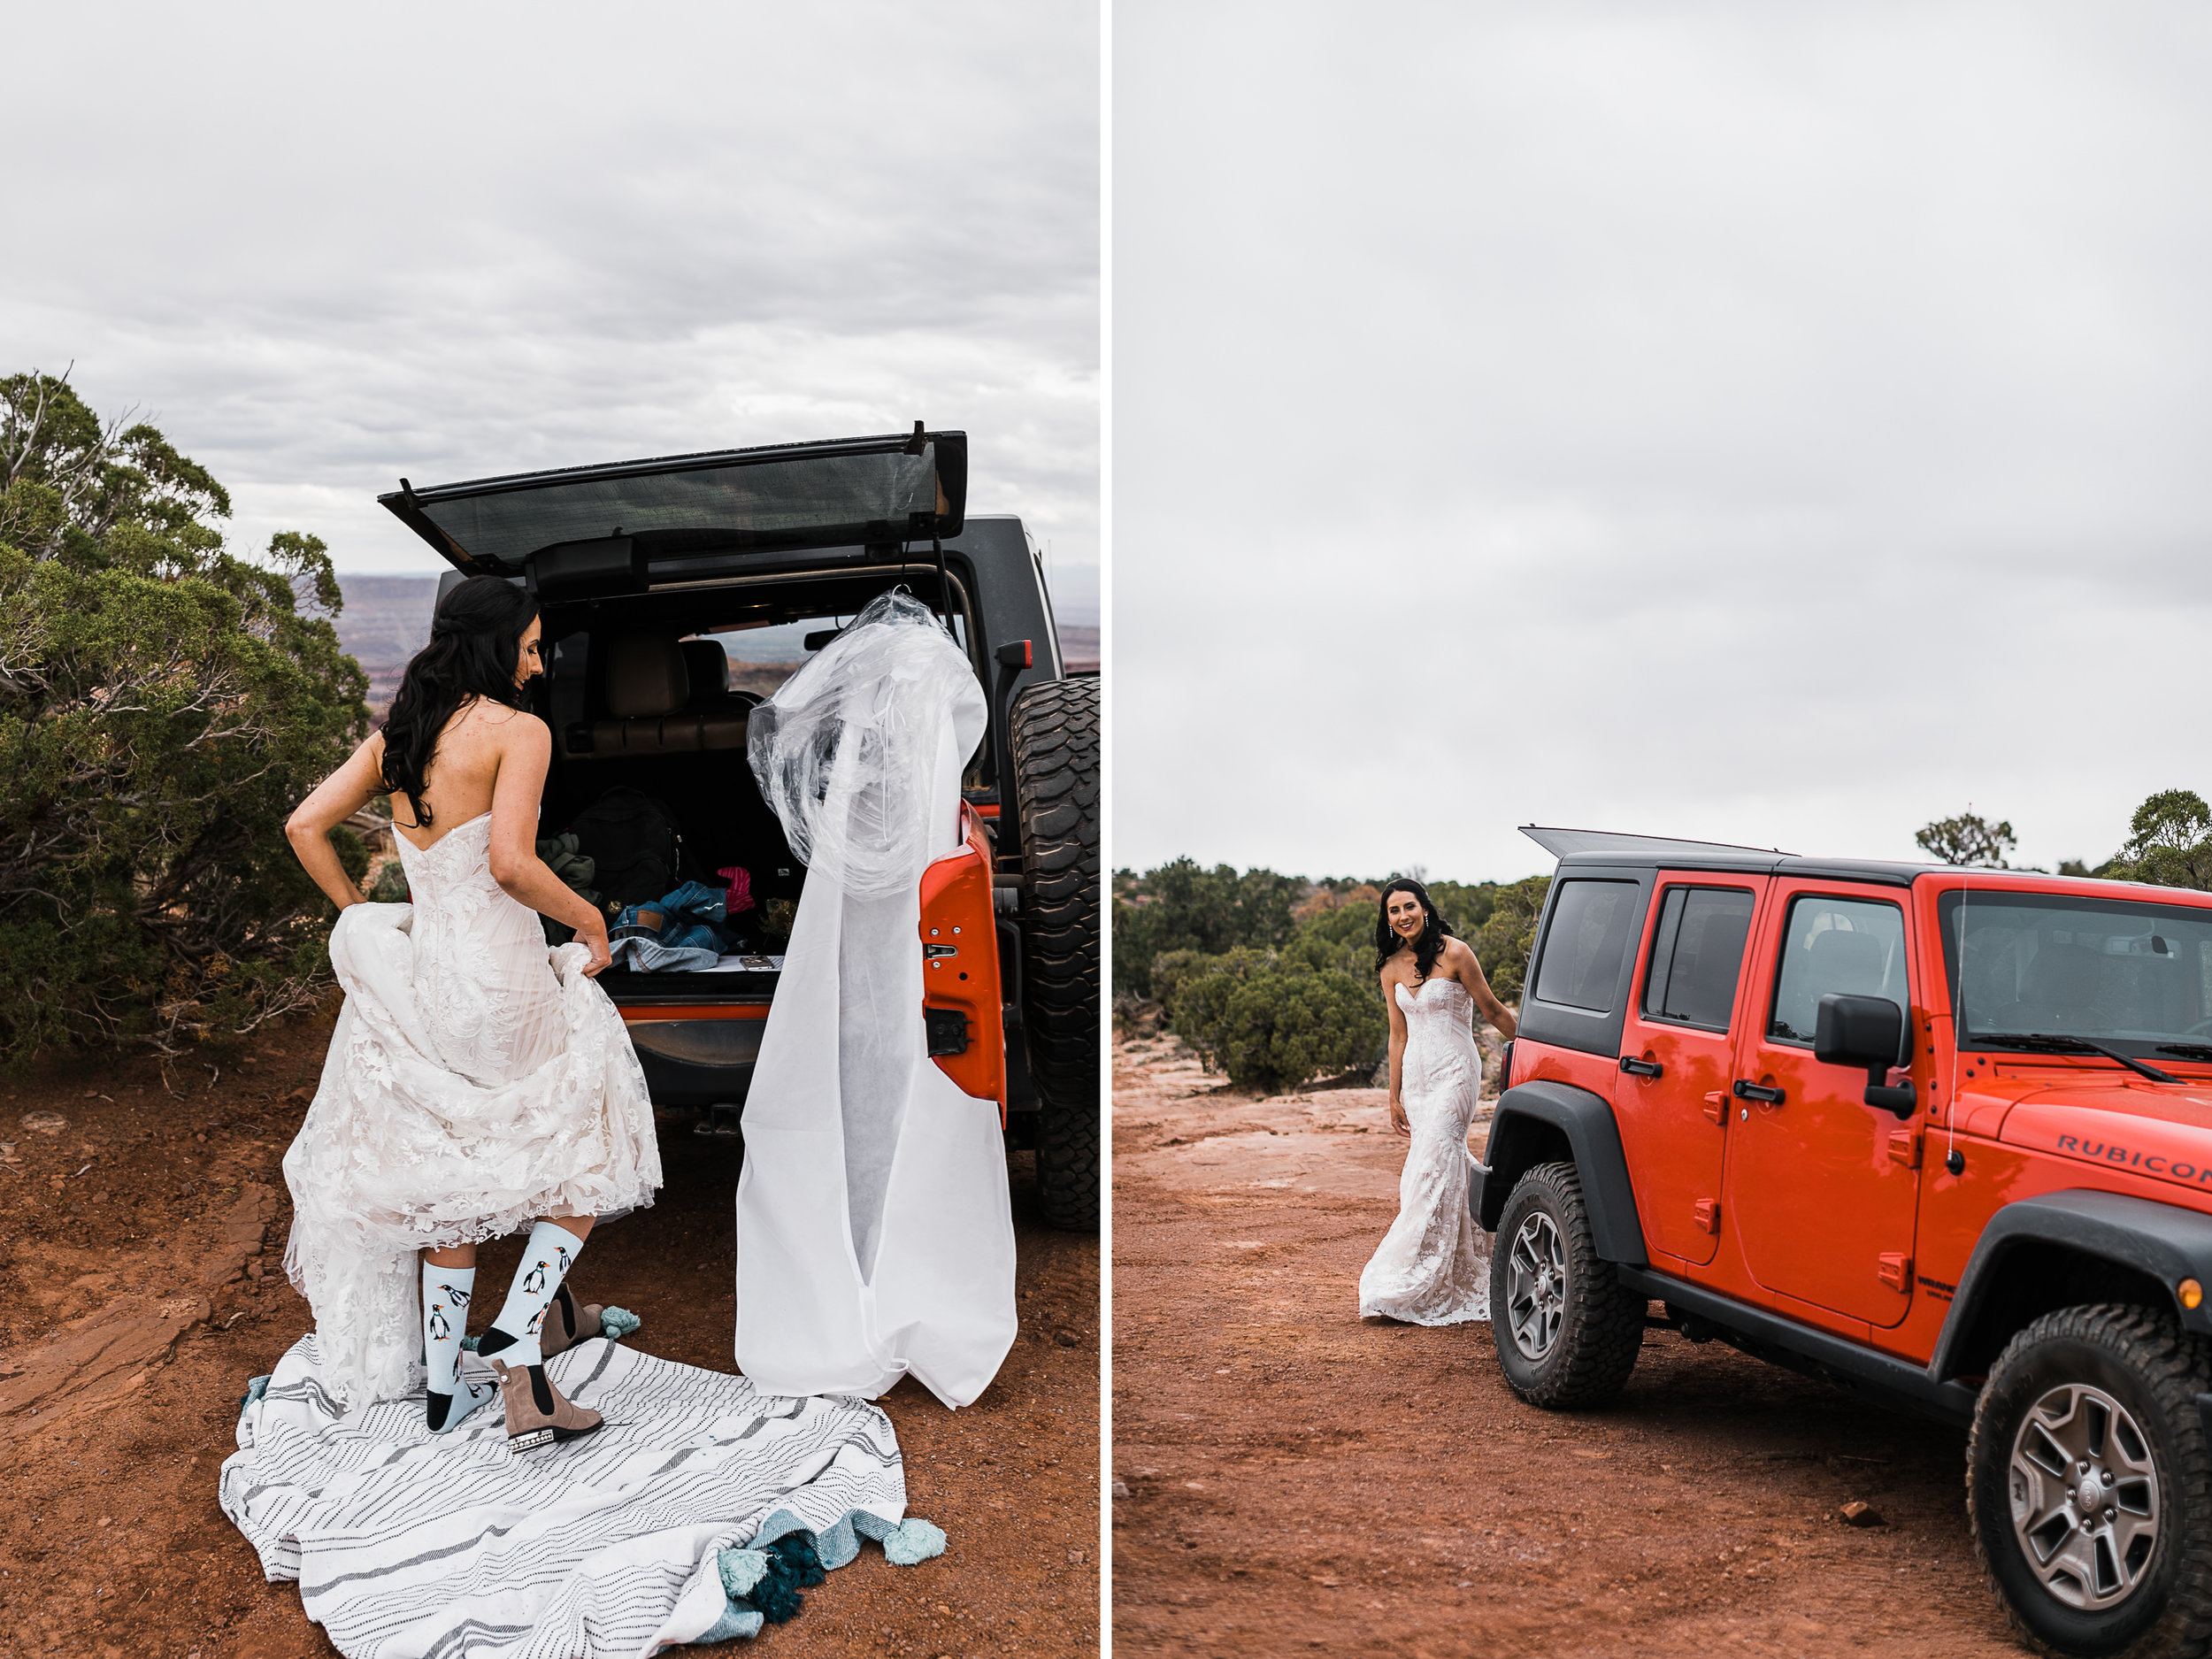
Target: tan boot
537, 1412
566, 1324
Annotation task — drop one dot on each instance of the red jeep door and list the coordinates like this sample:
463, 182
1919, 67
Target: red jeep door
1821, 1202
1677, 1056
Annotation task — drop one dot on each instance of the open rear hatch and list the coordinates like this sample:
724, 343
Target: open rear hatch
579, 536
600, 529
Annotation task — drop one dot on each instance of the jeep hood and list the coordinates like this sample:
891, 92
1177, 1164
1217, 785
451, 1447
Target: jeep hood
2143, 1127
586, 520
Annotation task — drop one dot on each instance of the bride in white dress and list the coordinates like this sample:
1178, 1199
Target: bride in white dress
1433, 1265
476, 1083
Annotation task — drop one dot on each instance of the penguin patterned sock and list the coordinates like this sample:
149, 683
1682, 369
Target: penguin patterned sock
545, 1262
445, 1317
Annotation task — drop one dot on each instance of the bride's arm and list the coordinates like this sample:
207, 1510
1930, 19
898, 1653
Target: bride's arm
1397, 1056
525, 750
335, 799
1470, 974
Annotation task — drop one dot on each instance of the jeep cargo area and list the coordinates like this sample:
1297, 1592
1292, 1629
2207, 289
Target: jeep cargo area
675, 596
1941, 1135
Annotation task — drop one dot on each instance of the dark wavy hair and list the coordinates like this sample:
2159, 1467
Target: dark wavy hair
474, 641
1428, 947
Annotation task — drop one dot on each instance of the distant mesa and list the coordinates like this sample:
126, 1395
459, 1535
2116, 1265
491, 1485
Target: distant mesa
384, 622
387, 620
1079, 648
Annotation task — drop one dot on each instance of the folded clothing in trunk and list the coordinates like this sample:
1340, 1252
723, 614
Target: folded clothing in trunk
686, 931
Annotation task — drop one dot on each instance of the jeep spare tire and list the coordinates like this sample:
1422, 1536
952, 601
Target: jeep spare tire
1054, 732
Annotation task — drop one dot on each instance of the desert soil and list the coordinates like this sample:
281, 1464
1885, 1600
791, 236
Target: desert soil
1289, 1478
142, 1237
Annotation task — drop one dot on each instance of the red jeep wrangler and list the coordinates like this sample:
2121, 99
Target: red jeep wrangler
676, 593
1942, 1136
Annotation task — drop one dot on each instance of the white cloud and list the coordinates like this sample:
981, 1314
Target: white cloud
323, 249
1775, 424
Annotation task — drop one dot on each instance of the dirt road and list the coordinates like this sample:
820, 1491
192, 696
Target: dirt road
1298, 1479
141, 1285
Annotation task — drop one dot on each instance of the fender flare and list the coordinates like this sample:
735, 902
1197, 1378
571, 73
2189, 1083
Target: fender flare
2160, 1241
1524, 1113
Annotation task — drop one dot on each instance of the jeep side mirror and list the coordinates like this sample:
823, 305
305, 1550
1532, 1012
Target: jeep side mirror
1870, 1032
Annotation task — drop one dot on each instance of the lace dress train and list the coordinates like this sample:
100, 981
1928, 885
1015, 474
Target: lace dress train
474, 1081
1433, 1265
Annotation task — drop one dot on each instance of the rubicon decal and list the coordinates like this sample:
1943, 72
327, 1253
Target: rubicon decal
2134, 1158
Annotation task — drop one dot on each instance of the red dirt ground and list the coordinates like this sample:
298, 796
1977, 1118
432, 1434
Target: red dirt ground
1298, 1479
141, 1285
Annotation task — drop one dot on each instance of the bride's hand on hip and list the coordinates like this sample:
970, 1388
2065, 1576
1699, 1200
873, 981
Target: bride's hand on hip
1399, 1122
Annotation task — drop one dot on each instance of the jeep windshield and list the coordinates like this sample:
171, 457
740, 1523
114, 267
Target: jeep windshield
2055, 974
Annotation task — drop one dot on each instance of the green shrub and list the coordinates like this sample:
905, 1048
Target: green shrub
1340, 939
1271, 1026
1343, 935
1467, 908
1183, 906
163, 707
1272, 979
1507, 937
1168, 971
1968, 839
2170, 842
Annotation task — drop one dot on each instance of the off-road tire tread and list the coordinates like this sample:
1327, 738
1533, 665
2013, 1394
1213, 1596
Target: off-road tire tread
1602, 1342
2174, 1367
1056, 753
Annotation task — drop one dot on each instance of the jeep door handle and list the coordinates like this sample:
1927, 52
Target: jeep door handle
1640, 1068
1748, 1090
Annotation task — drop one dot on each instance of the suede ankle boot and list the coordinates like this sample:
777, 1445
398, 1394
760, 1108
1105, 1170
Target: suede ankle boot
537, 1412
567, 1323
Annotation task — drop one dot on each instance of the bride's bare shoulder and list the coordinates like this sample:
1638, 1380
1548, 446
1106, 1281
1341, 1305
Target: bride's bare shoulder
497, 723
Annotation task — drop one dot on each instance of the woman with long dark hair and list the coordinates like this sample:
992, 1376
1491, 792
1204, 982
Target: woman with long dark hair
476, 1083
1433, 1265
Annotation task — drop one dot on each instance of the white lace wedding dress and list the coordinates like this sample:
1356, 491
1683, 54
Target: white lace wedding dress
474, 1081
1433, 1265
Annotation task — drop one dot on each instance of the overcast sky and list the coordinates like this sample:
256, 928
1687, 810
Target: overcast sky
1783, 424
323, 248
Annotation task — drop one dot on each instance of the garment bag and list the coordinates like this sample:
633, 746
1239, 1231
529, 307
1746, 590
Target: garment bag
874, 1235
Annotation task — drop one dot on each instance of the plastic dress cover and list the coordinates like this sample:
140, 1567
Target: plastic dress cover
874, 1235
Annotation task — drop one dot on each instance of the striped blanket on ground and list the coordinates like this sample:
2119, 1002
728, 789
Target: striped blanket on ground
410, 1545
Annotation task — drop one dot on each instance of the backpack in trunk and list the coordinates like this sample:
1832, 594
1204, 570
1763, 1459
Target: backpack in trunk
632, 839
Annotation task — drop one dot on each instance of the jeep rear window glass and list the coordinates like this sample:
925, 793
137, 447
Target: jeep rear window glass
820, 500
758, 659
1583, 946
1697, 957
1856, 946
2137, 976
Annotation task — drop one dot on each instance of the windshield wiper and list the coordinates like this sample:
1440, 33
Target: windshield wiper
2187, 1050
2038, 1043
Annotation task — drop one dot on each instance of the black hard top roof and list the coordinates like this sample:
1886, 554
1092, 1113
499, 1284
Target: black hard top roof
782, 497
1583, 849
